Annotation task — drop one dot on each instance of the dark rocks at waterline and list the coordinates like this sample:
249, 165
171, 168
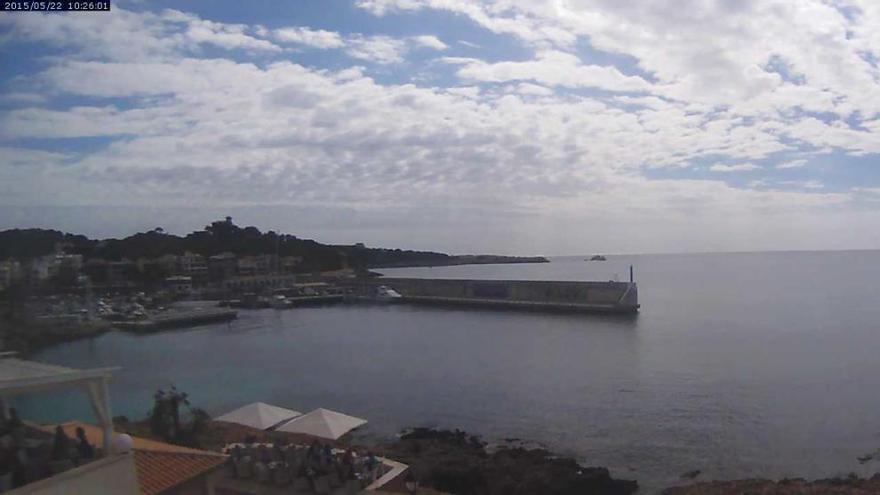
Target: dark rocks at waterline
455, 462
849, 485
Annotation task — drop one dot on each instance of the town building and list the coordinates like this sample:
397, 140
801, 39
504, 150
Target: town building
179, 284
263, 264
259, 283
195, 266
221, 267
10, 272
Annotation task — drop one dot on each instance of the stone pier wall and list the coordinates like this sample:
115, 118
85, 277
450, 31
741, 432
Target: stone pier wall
622, 294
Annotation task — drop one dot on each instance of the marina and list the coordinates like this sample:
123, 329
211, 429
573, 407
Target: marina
624, 391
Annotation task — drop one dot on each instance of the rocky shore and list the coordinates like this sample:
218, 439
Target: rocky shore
446, 461
454, 462
851, 485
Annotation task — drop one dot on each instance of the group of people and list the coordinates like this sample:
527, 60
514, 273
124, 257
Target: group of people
13, 456
317, 461
24, 459
320, 461
78, 450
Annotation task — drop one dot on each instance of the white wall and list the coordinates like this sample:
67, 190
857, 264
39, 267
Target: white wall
111, 476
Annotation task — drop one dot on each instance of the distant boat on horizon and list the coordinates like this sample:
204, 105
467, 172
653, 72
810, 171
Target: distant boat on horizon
597, 257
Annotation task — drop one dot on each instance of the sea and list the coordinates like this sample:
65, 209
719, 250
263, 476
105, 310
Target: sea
738, 365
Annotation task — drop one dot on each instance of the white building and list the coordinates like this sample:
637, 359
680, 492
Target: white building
111, 472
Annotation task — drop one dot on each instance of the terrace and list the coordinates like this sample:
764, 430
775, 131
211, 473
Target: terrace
275, 469
33, 461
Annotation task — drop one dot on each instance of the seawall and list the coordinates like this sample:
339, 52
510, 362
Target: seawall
615, 297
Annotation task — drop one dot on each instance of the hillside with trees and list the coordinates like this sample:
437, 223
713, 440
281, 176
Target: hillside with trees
224, 236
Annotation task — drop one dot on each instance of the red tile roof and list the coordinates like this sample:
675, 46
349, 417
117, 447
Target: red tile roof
159, 471
159, 465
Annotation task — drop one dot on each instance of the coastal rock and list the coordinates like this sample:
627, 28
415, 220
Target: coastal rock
455, 462
851, 485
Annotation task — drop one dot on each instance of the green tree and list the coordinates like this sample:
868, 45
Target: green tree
166, 417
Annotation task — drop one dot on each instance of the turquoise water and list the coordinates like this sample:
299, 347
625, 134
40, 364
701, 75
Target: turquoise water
738, 365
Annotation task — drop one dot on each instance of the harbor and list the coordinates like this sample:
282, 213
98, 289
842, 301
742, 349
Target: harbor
619, 392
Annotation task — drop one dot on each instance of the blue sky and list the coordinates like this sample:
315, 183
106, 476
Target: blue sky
507, 126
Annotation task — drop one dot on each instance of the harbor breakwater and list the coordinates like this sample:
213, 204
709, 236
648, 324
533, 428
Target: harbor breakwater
611, 297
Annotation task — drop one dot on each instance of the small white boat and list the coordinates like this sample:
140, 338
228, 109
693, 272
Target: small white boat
385, 293
281, 302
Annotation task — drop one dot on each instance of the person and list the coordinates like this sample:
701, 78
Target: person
372, 465
85, 449
347, 471
328, 462
278, 453
237, 452
15, 428
313, 456
60, 445
13, 422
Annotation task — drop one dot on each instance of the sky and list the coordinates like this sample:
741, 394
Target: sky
497, 126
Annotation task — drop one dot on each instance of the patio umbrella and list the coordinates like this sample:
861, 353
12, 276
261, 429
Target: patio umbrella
259, 415
323, 423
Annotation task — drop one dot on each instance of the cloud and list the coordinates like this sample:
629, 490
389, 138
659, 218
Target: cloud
805, 184
747, 55
123, 35
378, 49
381, 7
792, 164
316, 38
533, 89
552, 68
229, 36
430, 41
188, 112
740, 167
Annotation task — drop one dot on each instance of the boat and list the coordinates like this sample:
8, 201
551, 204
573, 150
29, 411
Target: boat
597, 257
281, 302
385, 293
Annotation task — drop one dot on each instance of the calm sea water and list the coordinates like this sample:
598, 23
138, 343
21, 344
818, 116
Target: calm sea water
739, 365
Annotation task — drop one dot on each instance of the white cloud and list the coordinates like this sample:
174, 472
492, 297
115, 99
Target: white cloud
792, 164
125, 35
805, 184
378, 49
533, 89
739, 167
552, 68
526, 143
229, 36
316, 38
712, 52
430, 41
381, 7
